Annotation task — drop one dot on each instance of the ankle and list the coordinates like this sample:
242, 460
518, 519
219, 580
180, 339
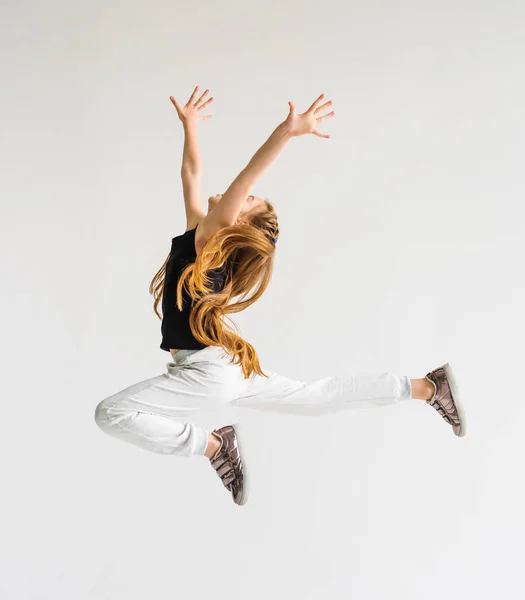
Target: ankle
422, 389
214, 443
431, 387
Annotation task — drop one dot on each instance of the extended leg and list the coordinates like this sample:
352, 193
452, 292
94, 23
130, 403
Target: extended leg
329, 394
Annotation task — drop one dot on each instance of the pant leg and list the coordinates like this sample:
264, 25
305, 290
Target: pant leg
147, 415
328, 394
161, 414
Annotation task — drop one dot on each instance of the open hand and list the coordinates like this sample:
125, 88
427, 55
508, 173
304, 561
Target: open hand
191, 111
307, 122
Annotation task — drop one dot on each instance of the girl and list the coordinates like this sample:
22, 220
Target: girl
222, 257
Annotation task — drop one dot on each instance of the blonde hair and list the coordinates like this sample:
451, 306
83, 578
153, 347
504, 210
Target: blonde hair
248, 254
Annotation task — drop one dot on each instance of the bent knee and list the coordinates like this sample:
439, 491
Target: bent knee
102, 412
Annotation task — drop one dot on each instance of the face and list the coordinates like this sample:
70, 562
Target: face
251, 204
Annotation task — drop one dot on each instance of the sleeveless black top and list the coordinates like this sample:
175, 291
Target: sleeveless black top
175, 328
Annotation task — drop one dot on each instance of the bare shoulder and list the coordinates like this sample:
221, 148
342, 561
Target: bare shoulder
207, 226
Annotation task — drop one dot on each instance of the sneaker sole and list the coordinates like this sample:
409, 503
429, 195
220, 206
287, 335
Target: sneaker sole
239, 434
457, 399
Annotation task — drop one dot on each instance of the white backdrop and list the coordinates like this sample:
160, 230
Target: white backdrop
401, 248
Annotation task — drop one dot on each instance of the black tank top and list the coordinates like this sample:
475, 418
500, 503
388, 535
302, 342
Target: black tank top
175, 328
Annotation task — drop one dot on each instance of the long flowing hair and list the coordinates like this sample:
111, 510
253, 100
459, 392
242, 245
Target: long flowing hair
247, 252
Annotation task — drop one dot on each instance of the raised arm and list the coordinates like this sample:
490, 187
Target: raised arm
191, 162
227, 210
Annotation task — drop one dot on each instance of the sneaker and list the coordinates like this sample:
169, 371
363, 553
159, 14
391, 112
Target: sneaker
446, 399
228, 463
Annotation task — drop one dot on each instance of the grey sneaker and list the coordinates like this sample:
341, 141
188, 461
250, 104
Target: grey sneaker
446, 399
227, 461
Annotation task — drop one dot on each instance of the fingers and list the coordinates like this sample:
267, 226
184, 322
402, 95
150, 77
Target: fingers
192, 103
316, 103
292, 107
205, 104
192, 97
322, 107
321, 119
174, 102
196, 105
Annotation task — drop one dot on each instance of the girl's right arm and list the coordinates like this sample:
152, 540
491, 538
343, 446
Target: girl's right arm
228, 208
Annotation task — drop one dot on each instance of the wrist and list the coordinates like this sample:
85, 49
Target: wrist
283, 131
189, 125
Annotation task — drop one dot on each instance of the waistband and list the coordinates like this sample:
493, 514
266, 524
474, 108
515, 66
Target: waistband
181, 357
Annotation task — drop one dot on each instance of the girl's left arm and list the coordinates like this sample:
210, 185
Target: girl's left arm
191, 176
191, 162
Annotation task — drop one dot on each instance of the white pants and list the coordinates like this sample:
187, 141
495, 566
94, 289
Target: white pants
160, 414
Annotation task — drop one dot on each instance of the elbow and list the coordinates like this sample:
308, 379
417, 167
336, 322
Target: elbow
190, 171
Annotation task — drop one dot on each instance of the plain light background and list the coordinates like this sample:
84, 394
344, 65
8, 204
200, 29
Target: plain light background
401, 248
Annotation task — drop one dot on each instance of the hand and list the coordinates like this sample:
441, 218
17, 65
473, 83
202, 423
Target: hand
307, 122
190, 113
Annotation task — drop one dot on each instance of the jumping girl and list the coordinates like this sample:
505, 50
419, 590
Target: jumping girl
222, 264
